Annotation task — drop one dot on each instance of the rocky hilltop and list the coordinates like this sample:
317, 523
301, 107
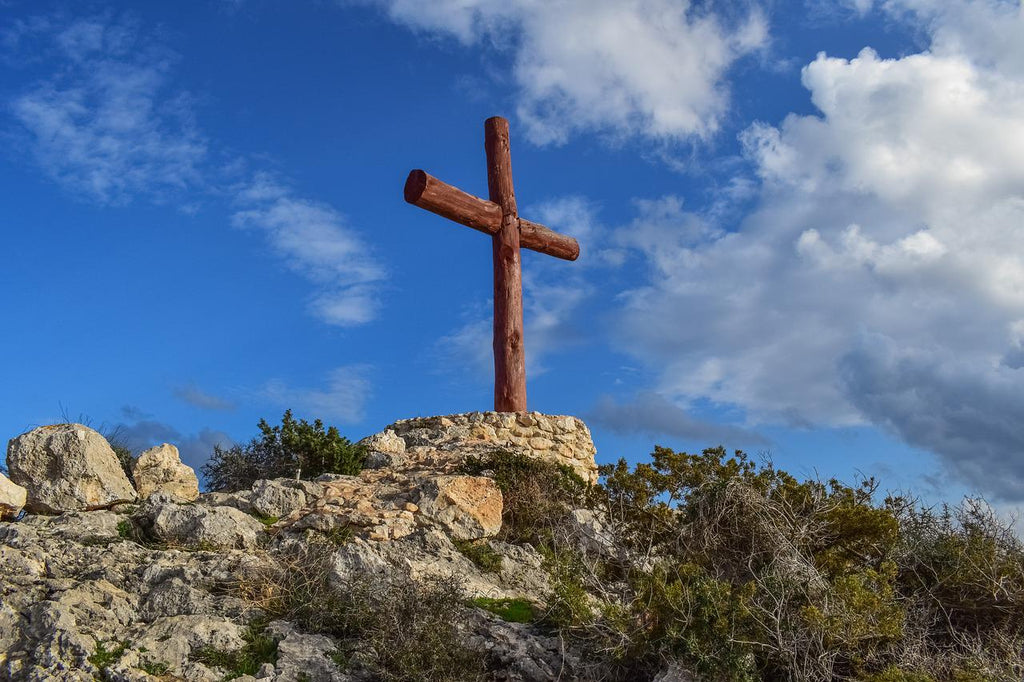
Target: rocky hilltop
111, 577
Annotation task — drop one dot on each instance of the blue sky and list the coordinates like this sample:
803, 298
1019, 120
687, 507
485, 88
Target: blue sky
801, 222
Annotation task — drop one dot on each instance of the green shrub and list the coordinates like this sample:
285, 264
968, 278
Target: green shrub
295, 449
102, 658
741, 572
537, 494
126, 529
155, 668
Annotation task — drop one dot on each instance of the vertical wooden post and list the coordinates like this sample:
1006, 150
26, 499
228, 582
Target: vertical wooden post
509, 357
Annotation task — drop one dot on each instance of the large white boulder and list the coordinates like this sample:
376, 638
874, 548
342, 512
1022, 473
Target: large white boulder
159, 469
67, 467
12, 497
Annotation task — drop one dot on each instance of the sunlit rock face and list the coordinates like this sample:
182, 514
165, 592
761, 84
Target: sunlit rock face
12, 497
159, 470
67, 467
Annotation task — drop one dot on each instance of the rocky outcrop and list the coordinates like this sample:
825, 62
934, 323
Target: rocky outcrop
416, 476
169, 589
79, 600
159, 470
67, 467
12, 497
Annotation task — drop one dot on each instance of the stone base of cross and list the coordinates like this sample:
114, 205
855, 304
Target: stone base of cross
499, 218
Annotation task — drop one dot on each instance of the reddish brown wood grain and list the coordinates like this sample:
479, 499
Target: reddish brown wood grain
509, 357
426, 191
437, 196
536, 237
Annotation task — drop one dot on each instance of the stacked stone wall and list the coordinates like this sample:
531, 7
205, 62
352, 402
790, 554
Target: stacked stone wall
559, 438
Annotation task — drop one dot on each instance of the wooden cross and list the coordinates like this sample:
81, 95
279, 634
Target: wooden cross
500, 219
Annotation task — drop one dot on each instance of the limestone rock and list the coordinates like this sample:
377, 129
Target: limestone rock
386, 441
74, 583
416, 476
67, 467
196, 525
469, 507
590, 534
519, 652
238, 499
280, 497
77, 582
384, 450
302, 656
159, 469
12, 497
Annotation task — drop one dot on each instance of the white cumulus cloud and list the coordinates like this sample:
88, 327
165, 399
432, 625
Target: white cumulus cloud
654, 68
880, 278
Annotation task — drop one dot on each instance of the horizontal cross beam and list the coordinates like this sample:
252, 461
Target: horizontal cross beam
426, 191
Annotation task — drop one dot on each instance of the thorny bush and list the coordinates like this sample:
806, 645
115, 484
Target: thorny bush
741, 572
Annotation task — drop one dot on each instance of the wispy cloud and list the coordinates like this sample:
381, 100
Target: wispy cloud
109, 125
342, 398
106, 124
653, 68
193, 395
315, 241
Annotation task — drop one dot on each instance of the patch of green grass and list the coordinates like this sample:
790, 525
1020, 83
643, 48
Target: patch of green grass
265, 520
259, 648
154, 667
126, 529
511, 610
341, 658
481, 554
103, 659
